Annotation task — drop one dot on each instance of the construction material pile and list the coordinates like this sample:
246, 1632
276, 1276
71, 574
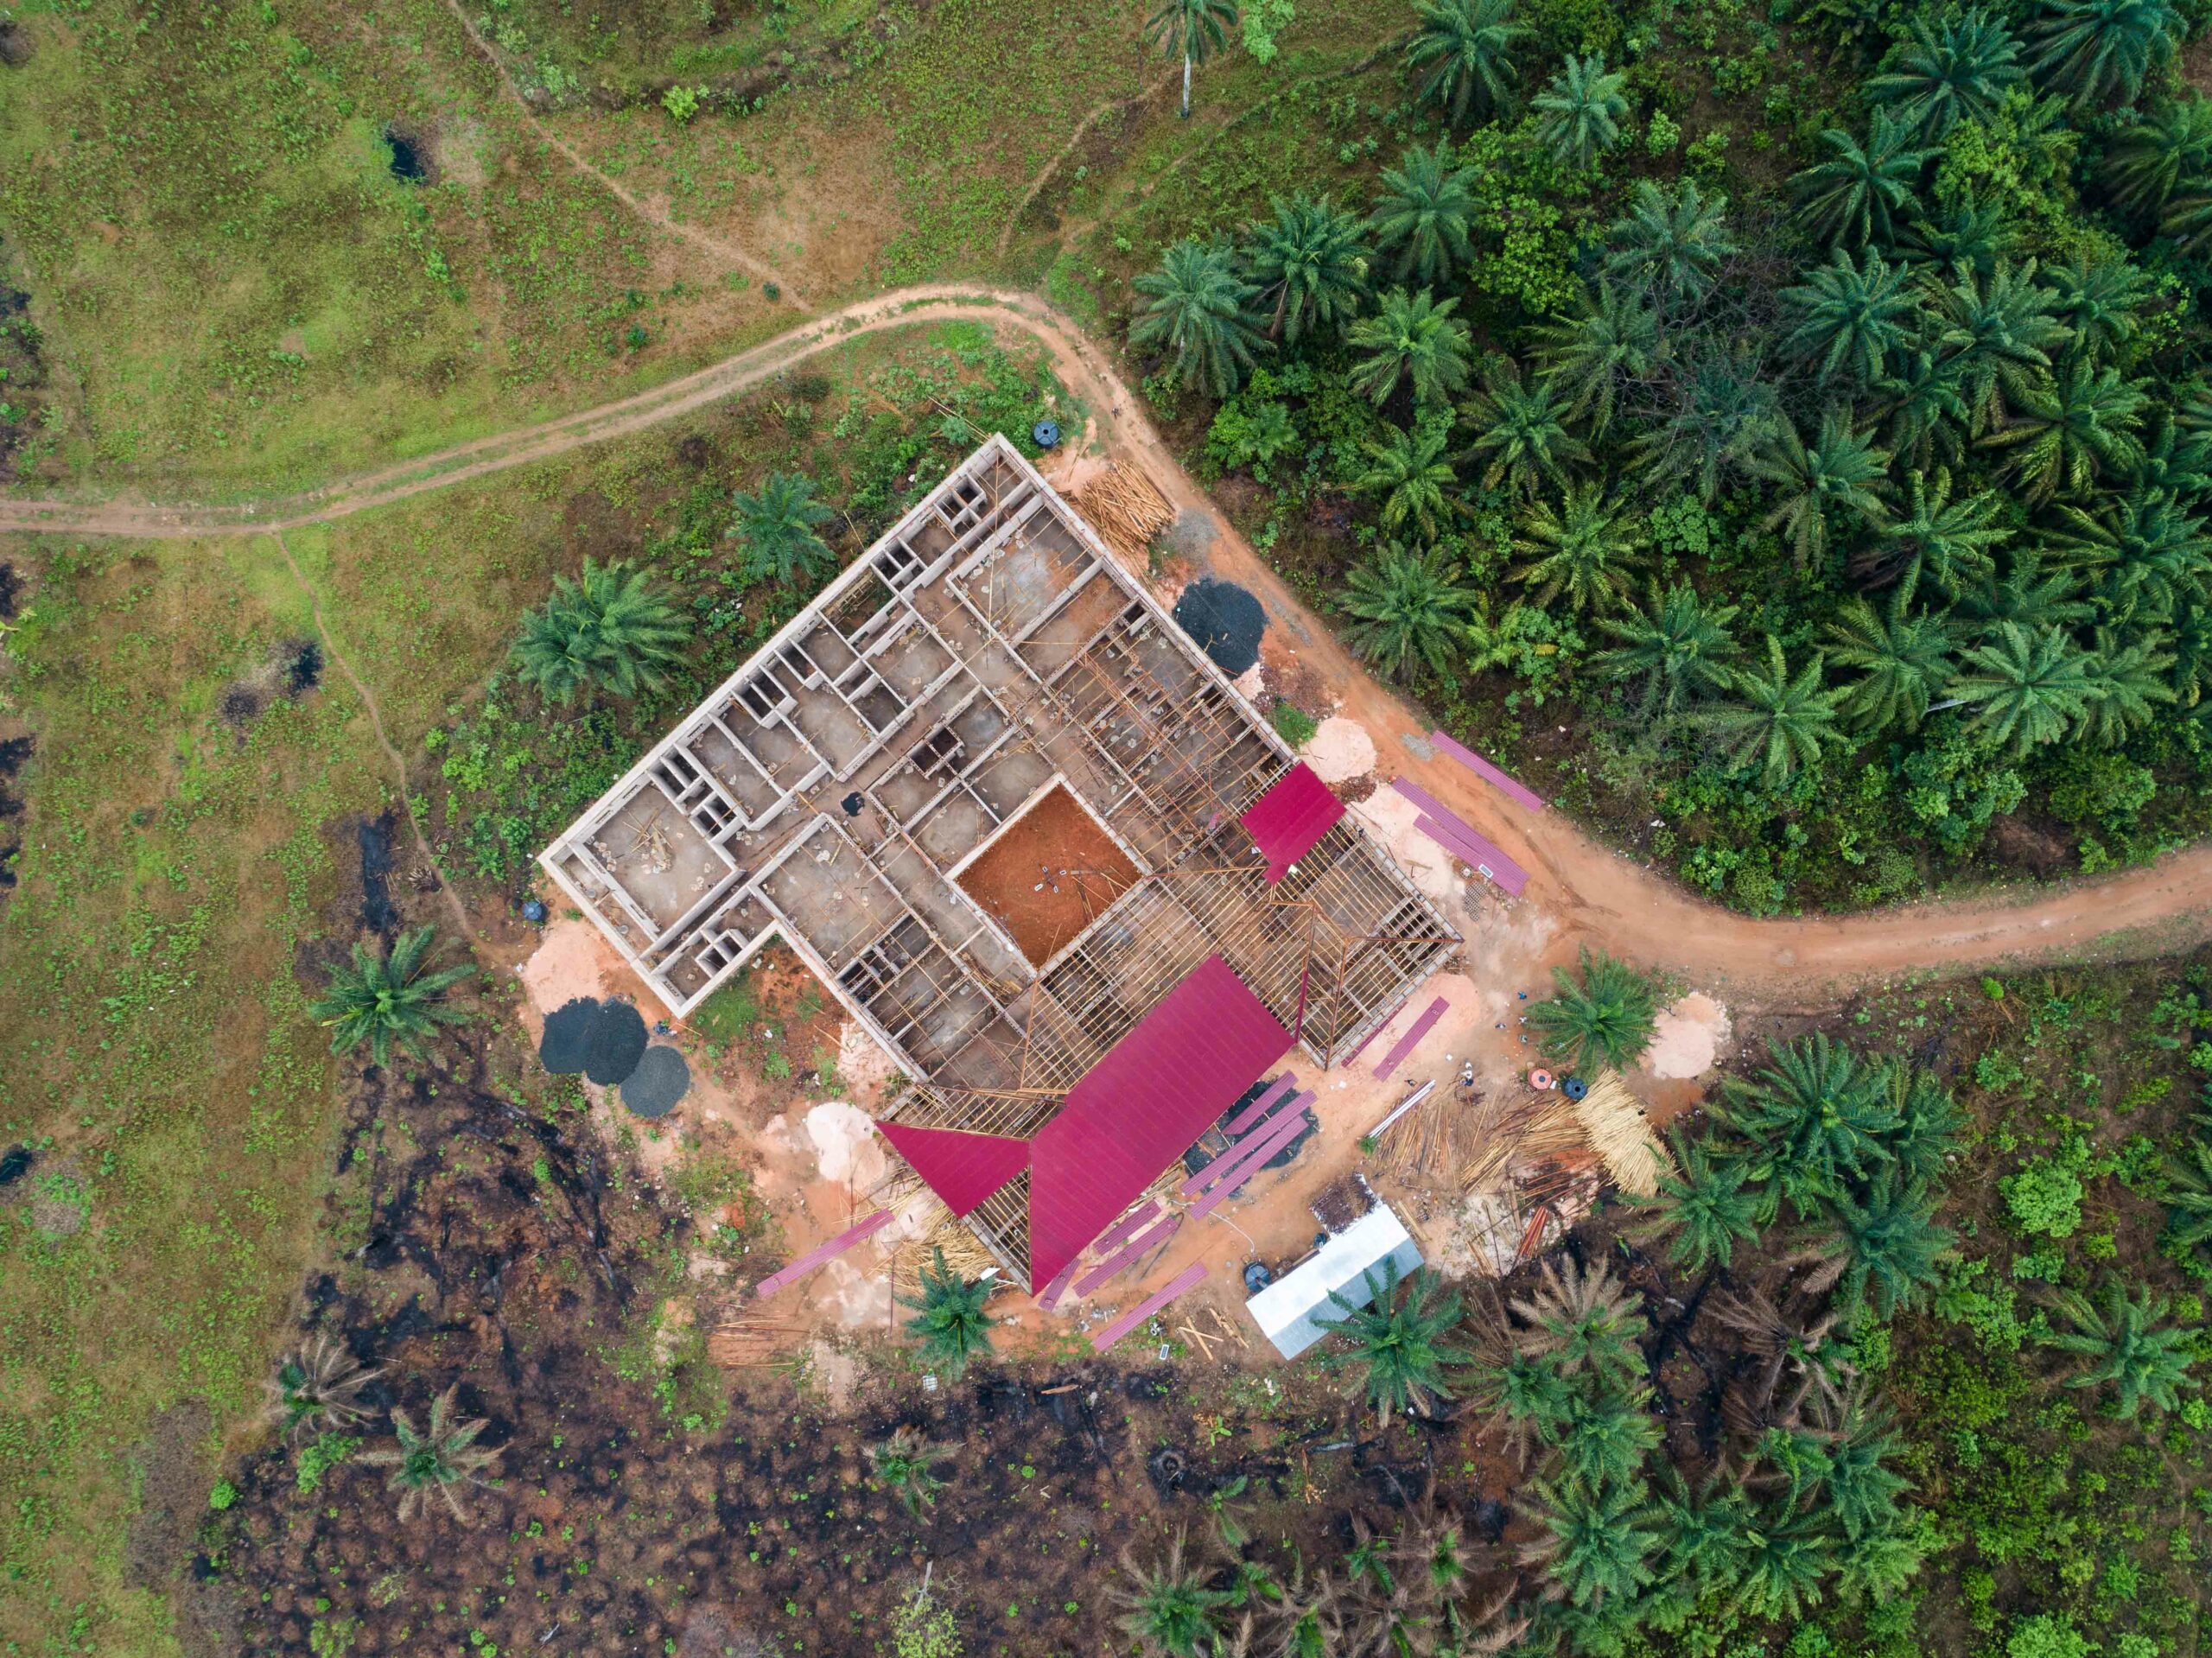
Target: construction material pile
1613, 1121
1123, 505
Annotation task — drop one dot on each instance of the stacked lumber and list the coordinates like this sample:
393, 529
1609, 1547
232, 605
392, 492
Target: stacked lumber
1122, 505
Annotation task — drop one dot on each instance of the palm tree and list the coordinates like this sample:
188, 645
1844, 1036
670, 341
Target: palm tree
1851, 314
1940, 77
1704, 1530
380, 999
1528, 1394
1860, 192
1586, 358
1903, 657
1306, 1623
780, 529
905, 1464
1841, 471
1597, 1544
1860, 1489
1924, 402
1520, 430
2150, 556
1775, 721
441, 1459
1467, 47
2189, 1196
951, 1324
1398, 1344
1200, 309
1193, 30
1817, 1120
1309, 265
1169, 1610
1441, 1570
1885, 1251
1406, 610
1413, 337
1930, 1122
2157, 168
2126, 684
1722, 406
2025, 686
1581, 550
2102, 52
1669, 243
1603, 1023
2001, 332
2129, 1344
1703, 1207
2070, 427
610, 628
1967, 236
318, 1389
1423, 213
1676, 645
1810, 1355
1579, 113
1411, 473
1950, 542
1786, 1556
1586, 1323
2100, 301
2028, 595
1606, 1438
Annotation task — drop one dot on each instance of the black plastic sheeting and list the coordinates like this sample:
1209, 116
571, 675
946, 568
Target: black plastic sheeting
661, 1079
1225, 620
617, 1042
568, 1036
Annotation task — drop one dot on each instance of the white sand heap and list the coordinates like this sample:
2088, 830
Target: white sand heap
1339, 750
1687, 1038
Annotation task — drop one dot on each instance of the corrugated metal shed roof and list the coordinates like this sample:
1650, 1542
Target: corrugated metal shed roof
1285, 1310
1286, 822
962, 1168
1138, 1108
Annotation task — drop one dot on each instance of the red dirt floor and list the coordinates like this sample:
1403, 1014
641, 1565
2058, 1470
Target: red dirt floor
1049, 876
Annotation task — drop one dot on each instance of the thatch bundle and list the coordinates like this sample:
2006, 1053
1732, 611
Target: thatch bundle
1613, 1121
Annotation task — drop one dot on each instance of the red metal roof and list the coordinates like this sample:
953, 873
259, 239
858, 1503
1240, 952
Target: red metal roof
962, 1168
1141, 1107
1286, 821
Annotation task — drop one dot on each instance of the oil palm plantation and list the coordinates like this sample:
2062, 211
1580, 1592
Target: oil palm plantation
1669, 243
1167, 1608
2027, 687
1903, 658
2130, 1344
1309, 263
1613, 340
1424, 213
1884, 1251
1193, 30
1406, 610
1921, 404
2003, 335
2160, 168
904, 1465
1965, 236
1786, 1557
2101, 300
1945, 73
951, 1327
1464, 49
1585, 1322
1676, 646
2068, 428
779, 528
1413, 339
1199, 307
1597, 1545
1606, 1438
380, 999
1851, 315
1816, 1121
1865, 191
1397, 1342
611, 629
1775, 721
1579, 115
1840, 475
1950, 539
1703, 1208
2100, 52
1410, 472
1597, 1018
1583, 550
2129, 684
1520, 430
1704, 1527
441, 1459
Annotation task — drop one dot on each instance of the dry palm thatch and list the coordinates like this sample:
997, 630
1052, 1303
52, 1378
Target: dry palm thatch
1123, 505
1613, 1121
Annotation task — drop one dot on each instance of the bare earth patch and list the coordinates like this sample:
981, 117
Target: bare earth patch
1049, 876
1687, 1038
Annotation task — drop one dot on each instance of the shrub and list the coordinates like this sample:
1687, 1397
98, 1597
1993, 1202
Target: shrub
2045, 1196
1293, 724
2045, 1636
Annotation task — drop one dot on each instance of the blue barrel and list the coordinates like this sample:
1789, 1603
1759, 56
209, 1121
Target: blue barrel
534, 913
1574, 1087
1046, 433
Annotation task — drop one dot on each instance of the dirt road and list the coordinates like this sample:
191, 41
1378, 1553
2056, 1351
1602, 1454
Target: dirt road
1594, 894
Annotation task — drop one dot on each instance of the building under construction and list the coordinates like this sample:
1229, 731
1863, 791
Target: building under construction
1036, 843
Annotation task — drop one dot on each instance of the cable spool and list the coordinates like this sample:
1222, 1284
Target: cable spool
1574, 1087
1540, 1080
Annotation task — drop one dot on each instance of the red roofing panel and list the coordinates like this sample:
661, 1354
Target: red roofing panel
962, 1168
1286, 822
1138, 1108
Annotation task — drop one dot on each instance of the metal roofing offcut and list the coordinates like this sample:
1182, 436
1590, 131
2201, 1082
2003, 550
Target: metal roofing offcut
962, 1168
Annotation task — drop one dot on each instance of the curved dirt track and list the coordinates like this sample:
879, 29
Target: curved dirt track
1593, 893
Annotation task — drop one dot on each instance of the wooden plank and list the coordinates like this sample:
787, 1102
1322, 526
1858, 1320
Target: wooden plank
1405, 1105
1488, 773
823, 1255
1404, 1046
1128, 1255
1185, 1282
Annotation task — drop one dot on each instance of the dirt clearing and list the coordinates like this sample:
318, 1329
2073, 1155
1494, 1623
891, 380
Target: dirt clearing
1049, 875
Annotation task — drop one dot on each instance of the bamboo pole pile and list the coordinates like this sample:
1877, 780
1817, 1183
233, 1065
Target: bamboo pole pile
1123, 505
